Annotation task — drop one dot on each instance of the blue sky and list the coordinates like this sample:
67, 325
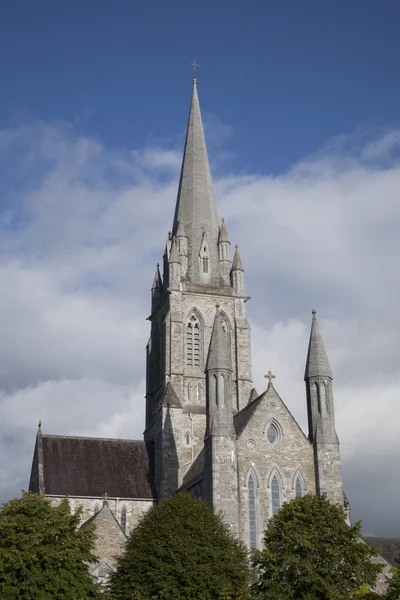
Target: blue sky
301, 103
285, 76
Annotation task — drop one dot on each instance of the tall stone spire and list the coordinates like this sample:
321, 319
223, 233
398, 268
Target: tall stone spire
195, 206
321, 418
317, 364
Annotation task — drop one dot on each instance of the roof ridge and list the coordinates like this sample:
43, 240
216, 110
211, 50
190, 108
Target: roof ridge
87, 437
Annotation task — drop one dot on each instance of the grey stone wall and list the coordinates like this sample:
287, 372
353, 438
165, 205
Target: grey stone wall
292, 455
134, 508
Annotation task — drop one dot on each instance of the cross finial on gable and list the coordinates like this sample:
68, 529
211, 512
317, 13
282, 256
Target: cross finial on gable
270, 377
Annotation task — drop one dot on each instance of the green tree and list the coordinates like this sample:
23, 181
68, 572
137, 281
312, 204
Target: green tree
181, 550
43, 554
311, 553
393, 592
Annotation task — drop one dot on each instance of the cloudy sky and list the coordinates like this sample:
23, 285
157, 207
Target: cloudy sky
309, 186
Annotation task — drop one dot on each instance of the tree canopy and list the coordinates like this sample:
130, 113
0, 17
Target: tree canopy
394, 586
43, 554
181, 550
311, 553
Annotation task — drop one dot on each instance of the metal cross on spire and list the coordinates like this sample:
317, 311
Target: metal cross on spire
194, 65
270, 377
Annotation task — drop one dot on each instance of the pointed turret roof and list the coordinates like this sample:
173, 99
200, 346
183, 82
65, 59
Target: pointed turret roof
223, 233
317, 360
173, 255
219, 352
196, 202
237, 263
157, 283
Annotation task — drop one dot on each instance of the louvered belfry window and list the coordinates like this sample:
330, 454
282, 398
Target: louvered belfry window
193, 343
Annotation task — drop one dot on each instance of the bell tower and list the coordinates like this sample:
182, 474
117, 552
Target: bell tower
197, 275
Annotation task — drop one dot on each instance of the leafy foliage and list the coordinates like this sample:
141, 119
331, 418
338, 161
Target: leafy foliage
312, 554
394, 586
181, 550
42, 553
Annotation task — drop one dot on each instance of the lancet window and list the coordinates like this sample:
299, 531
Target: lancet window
276, 496
252, 510
299, 487
123, 519
193, 343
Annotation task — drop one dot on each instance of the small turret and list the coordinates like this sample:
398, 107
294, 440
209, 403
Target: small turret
174, 266
225, 264
237, 273
220, 460
321, 419
156, 288
182, 243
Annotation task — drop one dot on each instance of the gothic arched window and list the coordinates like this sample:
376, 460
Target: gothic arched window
193, 343
96, 509
123, 519
276, 499
299, 487
205, 264
252, 510
272, 434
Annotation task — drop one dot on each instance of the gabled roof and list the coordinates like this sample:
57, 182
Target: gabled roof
83, 466
195, 472
103, 513
242, 418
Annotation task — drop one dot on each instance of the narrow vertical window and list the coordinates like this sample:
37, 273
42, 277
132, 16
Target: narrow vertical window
205, 264
187, 438
123, 519
252, 510
275, 495
193, 343
96, 509
299, 488
318, 396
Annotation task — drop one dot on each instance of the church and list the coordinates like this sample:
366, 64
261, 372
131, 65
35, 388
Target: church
207, 430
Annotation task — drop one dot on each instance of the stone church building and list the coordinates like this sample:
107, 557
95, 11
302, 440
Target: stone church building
207, 430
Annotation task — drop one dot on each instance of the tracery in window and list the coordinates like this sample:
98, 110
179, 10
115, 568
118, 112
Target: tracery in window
252, 510
272, 434
299, 487
276, 500
193, 343
123, 519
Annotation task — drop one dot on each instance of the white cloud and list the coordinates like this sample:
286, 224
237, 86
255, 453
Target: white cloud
81, 230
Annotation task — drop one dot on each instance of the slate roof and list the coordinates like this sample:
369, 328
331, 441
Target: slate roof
82, 466
241, 418
389, 547
195, 472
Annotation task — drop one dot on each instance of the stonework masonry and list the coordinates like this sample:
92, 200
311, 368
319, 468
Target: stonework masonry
207, 431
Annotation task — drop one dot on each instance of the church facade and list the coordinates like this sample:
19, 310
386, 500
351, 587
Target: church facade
207, 430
